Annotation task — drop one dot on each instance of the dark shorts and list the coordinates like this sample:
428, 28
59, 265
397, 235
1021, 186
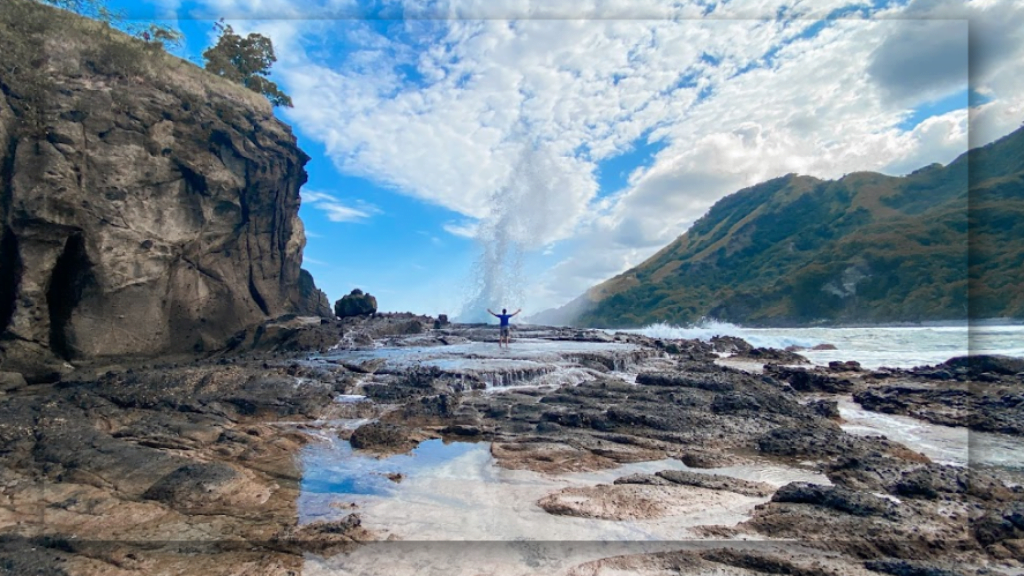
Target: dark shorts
506, 330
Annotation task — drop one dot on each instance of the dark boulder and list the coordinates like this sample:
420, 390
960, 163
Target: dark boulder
806, 441
355, 303
847, 366
773, 355
11, 381
380, 436
836, 498
804, 380
825, 408
730, 345
993, 364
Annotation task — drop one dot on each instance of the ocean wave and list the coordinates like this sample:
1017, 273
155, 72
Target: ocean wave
707, 329
894, 346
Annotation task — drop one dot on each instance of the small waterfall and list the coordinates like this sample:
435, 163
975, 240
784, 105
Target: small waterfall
615, 361
516, 376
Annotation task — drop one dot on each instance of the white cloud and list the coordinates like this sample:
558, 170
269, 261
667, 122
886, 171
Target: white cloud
335, 210
315, 262
939, 138
463, 230
507, 122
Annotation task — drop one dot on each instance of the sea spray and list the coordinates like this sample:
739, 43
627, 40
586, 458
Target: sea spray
498, 269
539, 203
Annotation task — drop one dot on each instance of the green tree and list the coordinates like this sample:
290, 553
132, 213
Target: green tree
246, 61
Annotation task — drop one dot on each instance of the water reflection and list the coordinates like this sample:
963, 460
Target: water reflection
456, 491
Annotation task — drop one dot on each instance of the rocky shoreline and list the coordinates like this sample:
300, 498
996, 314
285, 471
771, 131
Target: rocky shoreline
193, 466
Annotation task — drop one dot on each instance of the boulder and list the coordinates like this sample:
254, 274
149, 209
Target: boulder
847, 366
836, 498
730, 345
773, 355
825, 408
11, 381
355, 303
804, 380
982, 363
382, 437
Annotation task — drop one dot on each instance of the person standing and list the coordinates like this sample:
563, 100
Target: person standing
505, 328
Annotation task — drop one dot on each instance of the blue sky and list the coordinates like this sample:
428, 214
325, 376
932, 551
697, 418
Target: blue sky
582, 142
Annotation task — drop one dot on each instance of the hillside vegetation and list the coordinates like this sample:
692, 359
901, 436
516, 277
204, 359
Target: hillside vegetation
943, 243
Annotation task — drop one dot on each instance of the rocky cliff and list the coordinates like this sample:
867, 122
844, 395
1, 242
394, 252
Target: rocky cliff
147, 207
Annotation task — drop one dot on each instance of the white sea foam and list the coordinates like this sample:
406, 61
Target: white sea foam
873, 347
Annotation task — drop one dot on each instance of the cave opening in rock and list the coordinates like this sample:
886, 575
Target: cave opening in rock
71, 275
10, 276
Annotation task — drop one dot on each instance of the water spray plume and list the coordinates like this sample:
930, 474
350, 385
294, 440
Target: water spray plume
514, 224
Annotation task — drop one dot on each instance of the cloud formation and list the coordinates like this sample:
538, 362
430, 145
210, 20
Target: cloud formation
505, 112
335, 210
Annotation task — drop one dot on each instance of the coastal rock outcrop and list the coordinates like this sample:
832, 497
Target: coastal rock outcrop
148, 207
355, 304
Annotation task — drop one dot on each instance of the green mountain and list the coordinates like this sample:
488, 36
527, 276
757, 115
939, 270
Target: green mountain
942, 243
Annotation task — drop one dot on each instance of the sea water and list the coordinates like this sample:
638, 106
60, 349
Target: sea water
873, 347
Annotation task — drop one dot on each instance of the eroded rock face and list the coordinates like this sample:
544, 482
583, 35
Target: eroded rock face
142, 213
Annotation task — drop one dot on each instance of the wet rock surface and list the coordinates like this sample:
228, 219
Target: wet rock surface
709, 481
204, 452
983, 407
382, 438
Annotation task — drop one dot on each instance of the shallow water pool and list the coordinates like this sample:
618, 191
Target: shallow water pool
455, 491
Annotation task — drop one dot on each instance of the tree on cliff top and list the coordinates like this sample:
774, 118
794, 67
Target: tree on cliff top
245, 61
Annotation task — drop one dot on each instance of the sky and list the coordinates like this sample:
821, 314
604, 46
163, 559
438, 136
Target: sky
474, 153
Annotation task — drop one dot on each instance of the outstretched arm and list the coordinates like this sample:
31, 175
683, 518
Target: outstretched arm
491, 312
517, 312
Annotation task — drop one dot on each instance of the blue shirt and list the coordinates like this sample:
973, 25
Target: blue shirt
504, 318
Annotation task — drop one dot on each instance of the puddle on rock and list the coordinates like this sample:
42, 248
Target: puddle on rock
455, 491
